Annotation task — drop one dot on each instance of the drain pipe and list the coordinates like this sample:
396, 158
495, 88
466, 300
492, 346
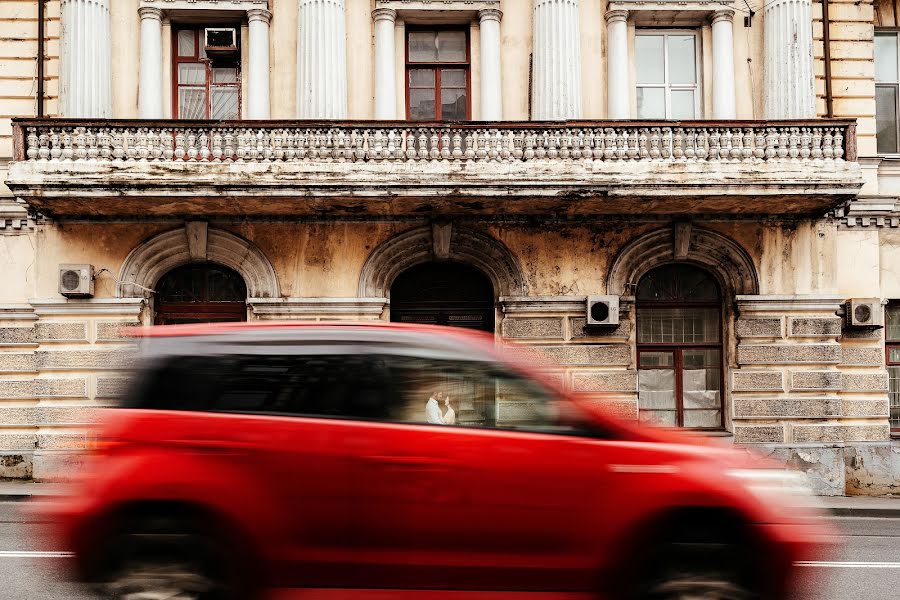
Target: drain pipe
826, 40
40, 60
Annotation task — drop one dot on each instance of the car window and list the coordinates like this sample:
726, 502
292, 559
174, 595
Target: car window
474, 395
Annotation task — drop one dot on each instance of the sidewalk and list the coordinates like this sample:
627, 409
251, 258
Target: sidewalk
842, 506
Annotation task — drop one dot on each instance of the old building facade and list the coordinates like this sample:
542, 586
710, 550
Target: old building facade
723, 170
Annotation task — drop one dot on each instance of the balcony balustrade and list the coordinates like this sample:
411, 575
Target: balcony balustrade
393, 167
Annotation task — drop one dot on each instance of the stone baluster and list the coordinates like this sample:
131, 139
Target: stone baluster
817, 143
445, 145
827, 148
394, 150
838, 141
737, 145
434, 151
361, 142
142, 149
702, 144
528, 145
714, 139
783, 139
805, 140
759, 146
228, 145
422, 140
747, 152
42, 149
470, 145
32, 141
677, 144
80, 144
793, 143
55, 146
130, 146
689, 152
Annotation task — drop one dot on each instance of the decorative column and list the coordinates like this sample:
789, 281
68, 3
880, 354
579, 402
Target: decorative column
556, 87
258, 80
385, 69
491, 85
788, 49
85, 70
723, 65
150, 104
618, 99
322, 60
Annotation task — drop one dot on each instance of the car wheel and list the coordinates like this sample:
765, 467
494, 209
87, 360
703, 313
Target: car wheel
168, 559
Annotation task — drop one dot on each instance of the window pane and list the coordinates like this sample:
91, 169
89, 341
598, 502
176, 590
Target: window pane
683, 106
192, 103
453, 104
701, 378
421, 78
192, 74
224, 103
886, 57
223, 75
453, 78
451, 46
421, 104
894, 375
886, 118
656, 389
677, 281
894, 354
422, 46
657, 359
649, 59
651, 103
682, 59
708, 419
892, 321
186, 39
678, 325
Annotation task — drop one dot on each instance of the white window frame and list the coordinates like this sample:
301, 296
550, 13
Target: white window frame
895, 84
696, 87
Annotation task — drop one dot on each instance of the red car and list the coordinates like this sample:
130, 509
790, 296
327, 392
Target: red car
251, 457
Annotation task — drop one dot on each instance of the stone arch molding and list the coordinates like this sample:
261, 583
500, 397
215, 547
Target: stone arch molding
719, 254
196, 242
441, 242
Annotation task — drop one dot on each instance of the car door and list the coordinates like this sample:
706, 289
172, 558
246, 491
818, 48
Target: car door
499, 500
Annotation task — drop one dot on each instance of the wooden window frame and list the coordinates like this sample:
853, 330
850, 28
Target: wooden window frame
677, 350
667, 87
890, 344
895, 85
195, 59
436, 67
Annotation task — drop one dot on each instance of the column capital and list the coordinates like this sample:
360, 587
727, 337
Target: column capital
613, 16
723, 14
385, 14
490, 14
259, 14
150, 12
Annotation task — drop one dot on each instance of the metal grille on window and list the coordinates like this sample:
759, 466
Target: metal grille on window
892, 349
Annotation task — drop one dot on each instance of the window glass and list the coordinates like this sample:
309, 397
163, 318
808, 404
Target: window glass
453, 103
451, 46
649, 59
894, 394
422, 46
656, 397
892, 322
192, 74
435, 93
651, 103
886, 57
682, 59
421, 104
679, 282
683, 104
886, 118
192, 103
224, 75
187, 42
678, 325
224, 104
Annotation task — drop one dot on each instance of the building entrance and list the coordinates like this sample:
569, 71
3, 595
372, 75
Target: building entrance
200, 293
444, 293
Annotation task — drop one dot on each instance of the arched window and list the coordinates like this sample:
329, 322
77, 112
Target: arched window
444, 293
200, 293
679, 344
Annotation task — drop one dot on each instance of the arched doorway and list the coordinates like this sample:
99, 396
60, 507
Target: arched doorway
443, 293
200, 293
679, 345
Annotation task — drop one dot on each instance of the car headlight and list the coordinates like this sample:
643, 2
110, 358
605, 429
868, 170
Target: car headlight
788, 489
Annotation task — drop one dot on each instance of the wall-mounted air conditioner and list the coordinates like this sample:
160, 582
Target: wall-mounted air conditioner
76, 281
863, 313
602, 310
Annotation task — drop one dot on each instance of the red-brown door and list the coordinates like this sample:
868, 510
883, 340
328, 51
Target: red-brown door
200, 293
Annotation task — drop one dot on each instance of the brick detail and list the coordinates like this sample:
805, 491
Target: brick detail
604, 381
83, 359
525, 328
750, 328
804, 381
758, 434
113, 330
809, 327
15, 362
862, 356
63, 441
16, 335
63, 332
624, 409
18, 441
752, 381
788, 354
110, 387
875, 408
787, 407
61, 387
583, 354
841, 433
866, 382
16, 388
579, 323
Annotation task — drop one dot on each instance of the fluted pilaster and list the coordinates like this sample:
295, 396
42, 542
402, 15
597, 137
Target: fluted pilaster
617, 88
150, 103
258, 88
491, 73
322, 60
385, 69
556, 87
85, 69
724, 105
789, 79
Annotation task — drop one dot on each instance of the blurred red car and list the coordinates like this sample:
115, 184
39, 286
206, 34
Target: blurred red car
248, 457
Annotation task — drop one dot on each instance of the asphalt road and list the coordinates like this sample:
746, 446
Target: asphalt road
868, 567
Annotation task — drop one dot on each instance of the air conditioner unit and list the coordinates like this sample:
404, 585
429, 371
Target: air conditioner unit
76, 281
864, 313
220, 41
602, 310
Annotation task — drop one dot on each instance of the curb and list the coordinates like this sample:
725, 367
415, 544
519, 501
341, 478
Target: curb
874, 513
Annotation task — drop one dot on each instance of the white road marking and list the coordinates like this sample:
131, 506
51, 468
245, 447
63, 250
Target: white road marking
848, 565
